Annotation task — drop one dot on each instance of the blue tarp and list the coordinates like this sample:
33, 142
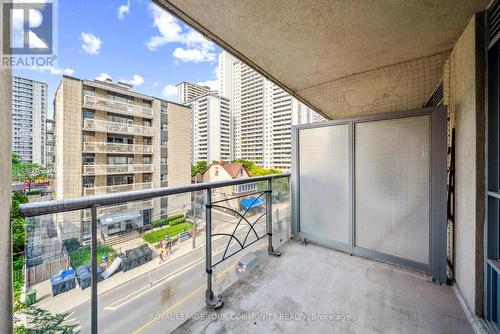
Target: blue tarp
251, 203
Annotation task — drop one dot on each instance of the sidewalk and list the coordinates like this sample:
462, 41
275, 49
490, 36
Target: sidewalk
70, 299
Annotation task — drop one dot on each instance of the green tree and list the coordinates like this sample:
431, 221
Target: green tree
44, 322
28, 172
15, 159
199, 168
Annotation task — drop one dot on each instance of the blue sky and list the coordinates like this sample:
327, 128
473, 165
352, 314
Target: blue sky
131, 41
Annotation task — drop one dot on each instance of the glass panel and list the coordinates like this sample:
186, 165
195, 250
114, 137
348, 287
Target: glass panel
226, 214
324, 182
282, 212
47, 287
392, 187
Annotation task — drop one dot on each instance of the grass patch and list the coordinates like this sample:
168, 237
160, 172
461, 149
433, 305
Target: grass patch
172, 231
81, 256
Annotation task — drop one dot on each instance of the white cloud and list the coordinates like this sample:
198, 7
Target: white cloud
90, 43
170, 92
194, 55
136, 81
123, 10
54, 70
198, 48
213, 84
103, 77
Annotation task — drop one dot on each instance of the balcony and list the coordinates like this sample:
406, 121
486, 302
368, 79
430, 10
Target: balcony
116, 188
139, 205
103, 147
94, 102
116, 169
114, 127
309, 288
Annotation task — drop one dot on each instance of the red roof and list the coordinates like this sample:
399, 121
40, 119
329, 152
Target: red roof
233, 169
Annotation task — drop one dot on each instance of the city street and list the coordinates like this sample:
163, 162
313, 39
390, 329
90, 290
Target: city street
143, 304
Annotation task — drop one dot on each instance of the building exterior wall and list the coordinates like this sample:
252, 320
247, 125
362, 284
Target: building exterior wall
211, 128
467, 116
187, 91
179, 155
90, 114
29, 112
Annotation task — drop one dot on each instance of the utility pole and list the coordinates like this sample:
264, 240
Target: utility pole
195, 204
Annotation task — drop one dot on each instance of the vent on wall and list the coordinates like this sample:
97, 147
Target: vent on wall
437, 96
494, 20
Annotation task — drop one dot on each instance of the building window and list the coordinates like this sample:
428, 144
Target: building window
146, 122
164, 127
114, 180
88, 182
146, 159
88, 91
146, 141
88, 160
120, 160
88, 114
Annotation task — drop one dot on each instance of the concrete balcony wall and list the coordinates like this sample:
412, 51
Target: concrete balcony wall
116, 169
103, 147
113, 127
116, 188
466, 111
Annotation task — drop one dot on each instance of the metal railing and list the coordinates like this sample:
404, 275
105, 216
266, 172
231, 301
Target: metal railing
115, 127
94, 102
95, 202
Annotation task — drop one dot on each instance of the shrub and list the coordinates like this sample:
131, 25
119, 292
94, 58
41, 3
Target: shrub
172, 231
178, 221
167, 220
34, 192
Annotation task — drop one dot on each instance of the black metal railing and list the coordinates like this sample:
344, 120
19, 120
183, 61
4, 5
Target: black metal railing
94, 202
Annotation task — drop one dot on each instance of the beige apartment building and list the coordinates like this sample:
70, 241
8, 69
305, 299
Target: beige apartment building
112, 139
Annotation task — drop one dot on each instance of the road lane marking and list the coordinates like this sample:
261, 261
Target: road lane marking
137, 293
143, 327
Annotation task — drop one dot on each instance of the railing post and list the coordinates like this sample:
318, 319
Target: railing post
269, 219
212, 301
93, 252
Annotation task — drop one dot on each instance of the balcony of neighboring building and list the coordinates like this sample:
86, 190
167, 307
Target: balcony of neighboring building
116, 169
100, 103
104, 147
115, 127
116, 188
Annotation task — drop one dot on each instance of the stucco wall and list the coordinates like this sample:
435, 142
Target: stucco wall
466, 107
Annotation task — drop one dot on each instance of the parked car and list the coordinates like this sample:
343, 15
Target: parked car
184, 236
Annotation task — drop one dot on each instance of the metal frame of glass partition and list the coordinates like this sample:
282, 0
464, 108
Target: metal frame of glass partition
437, 191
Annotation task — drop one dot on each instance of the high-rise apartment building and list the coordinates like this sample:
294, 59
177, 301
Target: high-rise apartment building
29, 112
262, 114
211, 128
110, 139
187, 91
50, 142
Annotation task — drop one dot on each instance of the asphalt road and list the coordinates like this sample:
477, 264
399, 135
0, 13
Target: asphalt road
156, 301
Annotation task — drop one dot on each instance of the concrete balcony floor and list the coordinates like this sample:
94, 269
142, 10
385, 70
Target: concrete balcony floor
379, 298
